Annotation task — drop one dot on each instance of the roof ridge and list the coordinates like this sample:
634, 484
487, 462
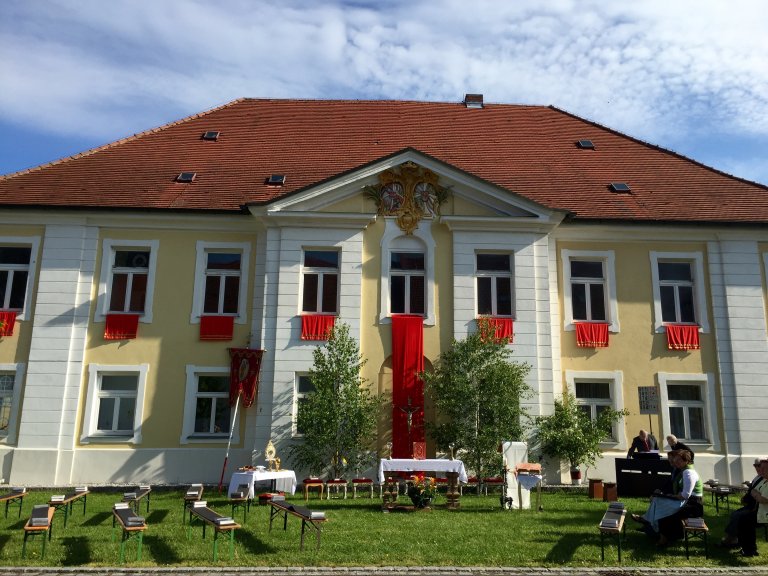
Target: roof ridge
387, 101
123, 140
658, 148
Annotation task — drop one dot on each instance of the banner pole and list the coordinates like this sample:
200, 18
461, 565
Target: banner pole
229, 442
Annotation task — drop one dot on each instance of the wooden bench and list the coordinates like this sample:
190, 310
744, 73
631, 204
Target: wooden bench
207, 517
15, 496
612, 524
67, 501
695, 528
309, 518
239, 499
193, 494
41, 522
134, 498
132, 525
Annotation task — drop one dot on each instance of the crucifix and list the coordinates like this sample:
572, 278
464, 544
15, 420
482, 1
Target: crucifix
409, 410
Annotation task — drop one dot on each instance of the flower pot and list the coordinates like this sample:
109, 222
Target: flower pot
575, 475
421, 501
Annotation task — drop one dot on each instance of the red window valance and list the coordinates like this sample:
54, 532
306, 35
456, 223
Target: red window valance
7, 321
316, 326
500, 329
121, 326
592, 334
216, 327
682, 336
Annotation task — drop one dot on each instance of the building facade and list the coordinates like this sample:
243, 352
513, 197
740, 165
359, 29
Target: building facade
632, 276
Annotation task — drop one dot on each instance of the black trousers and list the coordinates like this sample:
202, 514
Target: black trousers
747, 533
671, 527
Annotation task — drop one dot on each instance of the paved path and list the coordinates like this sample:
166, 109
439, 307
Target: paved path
384, 571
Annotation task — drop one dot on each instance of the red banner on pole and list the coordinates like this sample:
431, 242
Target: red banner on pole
244, 375
407, 388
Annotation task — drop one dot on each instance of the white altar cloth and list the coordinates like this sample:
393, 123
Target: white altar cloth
285, 480
428, 465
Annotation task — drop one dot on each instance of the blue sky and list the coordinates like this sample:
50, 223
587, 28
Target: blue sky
686, 75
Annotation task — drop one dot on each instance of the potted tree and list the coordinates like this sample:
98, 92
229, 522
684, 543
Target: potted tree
570, 433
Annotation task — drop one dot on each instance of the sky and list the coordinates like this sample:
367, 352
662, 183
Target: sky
689, 76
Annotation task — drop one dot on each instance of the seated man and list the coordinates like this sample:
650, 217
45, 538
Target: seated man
731, 538
643, 442
675, 444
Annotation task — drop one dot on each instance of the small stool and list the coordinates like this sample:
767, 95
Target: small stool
337, 484
361, 483
696, 528
596, 488
610, 492
720, 494
495, 481
316, 483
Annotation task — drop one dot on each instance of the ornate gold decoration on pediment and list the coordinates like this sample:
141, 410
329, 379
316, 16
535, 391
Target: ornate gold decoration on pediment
409, 192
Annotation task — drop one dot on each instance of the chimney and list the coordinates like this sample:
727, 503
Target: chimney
473, 100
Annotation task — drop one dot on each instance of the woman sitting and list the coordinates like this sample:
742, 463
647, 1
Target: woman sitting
666, 512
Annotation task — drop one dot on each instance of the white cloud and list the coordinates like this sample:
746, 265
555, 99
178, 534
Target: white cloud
653, 69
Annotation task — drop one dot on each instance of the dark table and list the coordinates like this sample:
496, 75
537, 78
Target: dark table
641, 476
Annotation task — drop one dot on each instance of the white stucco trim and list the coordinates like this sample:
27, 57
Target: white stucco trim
616, 380
608, 257
34, 243
710, 406
109, 245
91, 414
201, 262
698, 285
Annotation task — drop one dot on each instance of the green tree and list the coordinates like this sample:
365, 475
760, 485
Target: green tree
477, 391
569, 433
338, 419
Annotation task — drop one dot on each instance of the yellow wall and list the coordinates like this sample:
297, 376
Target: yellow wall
171, 341
636, 350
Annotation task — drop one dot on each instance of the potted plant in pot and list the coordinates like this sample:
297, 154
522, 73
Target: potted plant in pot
570, 433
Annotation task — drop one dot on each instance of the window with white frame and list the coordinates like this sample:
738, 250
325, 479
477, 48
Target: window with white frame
589, 282
18, 260
115, 402
207, 413
406, 283
676, 292
303, 387
686, 411
11, 376
596, 391
127, 278
222, 282
678, 289
688, 407
494, 284
320, 282
221, 272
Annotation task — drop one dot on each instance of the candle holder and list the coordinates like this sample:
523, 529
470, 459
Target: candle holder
389, 450
450, 450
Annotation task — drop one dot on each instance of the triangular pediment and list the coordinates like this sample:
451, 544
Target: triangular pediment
367, 189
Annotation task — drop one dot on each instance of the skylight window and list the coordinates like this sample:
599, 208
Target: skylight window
620, 187
586, 144
211, 135
276, 180
186, 177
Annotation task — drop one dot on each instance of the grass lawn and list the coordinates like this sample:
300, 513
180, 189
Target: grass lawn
359, 534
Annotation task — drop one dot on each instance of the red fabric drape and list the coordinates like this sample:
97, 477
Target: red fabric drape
591, 334
682, 336
8, 320
316, 326
121, 326
216, 327
420, 450
407, 389
500, 328
244, 375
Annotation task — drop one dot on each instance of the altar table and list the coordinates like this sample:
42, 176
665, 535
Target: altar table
284, 480
426, 465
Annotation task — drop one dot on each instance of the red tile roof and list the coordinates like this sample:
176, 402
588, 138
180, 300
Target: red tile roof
528, 150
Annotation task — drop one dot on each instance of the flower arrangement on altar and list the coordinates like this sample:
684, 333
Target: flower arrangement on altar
421, 490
